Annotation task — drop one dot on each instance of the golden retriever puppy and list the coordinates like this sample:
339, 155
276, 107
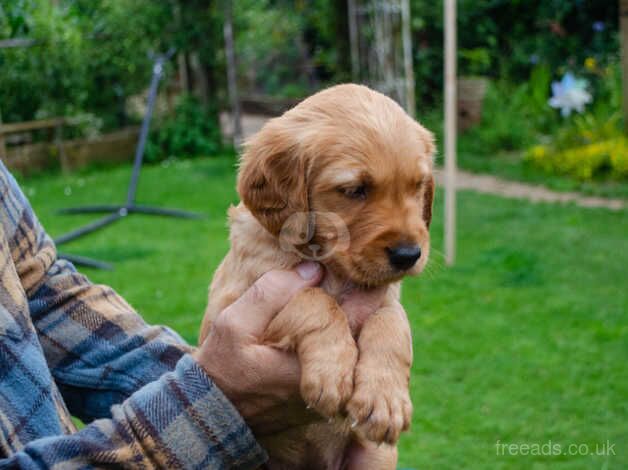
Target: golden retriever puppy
344, 178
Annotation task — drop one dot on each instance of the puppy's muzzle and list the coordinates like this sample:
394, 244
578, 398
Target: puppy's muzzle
403, 257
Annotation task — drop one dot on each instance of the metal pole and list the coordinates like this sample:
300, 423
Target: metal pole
139, 151
450, 131
89, 228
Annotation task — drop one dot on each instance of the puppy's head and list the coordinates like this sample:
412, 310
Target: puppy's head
345, 177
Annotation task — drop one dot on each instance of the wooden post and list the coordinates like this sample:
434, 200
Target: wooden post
353, 40
407, 57
450, 131
58, 141
200, 79
623, 34
232, 84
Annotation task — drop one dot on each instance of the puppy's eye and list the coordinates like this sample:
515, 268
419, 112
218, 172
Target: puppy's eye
355, 192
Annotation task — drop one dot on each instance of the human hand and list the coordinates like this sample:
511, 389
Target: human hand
261, 381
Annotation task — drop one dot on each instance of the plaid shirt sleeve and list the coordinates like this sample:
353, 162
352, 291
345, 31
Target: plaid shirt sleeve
179, 421
101, 353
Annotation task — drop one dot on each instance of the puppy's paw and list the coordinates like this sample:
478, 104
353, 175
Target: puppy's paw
380, 407
327, 376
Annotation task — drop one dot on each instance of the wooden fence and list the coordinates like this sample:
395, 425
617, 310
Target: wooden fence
118, 146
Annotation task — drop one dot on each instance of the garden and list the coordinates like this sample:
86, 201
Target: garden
520, 347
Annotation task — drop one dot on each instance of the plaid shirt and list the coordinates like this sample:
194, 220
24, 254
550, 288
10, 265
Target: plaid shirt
69, 347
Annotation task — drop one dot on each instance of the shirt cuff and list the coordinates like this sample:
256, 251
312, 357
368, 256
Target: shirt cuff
187, 422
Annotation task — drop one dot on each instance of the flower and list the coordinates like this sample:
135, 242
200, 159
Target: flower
538, 152
599, 26
569, 94
590, 63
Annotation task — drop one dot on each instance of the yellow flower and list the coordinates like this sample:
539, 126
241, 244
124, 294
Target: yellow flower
590, 63
538, 151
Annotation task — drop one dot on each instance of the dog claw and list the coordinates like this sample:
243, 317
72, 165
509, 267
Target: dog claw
354, 424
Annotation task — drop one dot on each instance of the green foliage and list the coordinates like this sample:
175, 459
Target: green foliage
118, 37
191, 131
586, 149
290, 48
514, 35
475, 61
591, 145
510, 118
48, 78
92, 55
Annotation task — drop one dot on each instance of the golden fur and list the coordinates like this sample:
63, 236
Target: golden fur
342, 177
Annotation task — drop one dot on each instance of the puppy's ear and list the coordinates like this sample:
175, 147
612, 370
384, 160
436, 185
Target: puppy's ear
429, 148
272, 181
428, 199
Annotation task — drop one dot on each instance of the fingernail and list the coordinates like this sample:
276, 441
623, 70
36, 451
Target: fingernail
308, 270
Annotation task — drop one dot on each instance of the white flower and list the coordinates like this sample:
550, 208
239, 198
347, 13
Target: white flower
570, 94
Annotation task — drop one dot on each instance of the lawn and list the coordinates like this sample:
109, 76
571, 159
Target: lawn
524, 341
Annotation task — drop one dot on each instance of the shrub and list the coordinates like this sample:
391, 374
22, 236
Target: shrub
592, 144
508, 120
585, 162
91, 55
588, 149
190, 131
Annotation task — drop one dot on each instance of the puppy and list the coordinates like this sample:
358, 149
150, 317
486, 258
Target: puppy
345, 178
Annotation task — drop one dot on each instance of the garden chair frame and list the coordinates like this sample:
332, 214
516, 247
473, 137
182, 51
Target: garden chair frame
121, 211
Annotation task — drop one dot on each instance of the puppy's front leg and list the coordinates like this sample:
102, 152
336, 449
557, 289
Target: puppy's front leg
314, 325
380, 405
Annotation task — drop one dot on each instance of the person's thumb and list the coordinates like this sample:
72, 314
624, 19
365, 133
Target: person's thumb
269, 294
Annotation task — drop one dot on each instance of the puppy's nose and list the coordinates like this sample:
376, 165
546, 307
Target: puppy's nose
403, 257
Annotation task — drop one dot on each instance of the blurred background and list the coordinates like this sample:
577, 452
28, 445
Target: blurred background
524, 340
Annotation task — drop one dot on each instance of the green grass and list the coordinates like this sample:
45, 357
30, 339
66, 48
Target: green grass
524, 341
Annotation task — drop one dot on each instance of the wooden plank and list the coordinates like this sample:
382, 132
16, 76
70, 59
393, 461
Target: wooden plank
450, 131
117, 146
31, 125
17, 42
58, 140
